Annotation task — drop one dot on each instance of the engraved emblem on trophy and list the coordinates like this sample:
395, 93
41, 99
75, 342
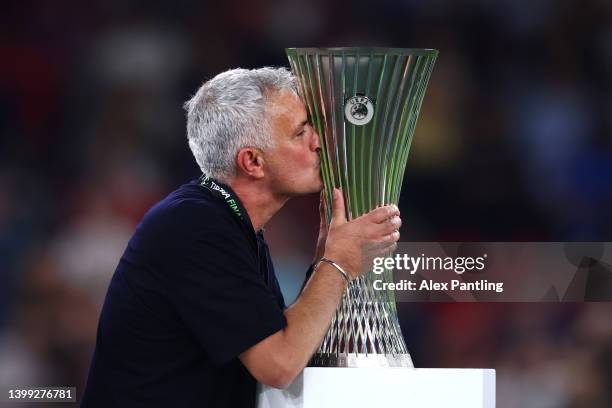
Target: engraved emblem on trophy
364, 103
359, 110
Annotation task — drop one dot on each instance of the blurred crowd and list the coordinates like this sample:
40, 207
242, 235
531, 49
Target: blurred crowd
514, 143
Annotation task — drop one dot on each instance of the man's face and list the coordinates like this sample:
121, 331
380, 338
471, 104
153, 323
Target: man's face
292, 165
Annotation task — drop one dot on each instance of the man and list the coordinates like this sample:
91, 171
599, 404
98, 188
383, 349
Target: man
194, 315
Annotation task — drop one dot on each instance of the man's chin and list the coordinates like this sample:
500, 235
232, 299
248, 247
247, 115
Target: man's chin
314, 189
314, 186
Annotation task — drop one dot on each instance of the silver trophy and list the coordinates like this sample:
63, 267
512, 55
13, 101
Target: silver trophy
364, 103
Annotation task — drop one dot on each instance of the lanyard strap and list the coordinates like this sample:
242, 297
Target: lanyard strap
222, 192
225, 193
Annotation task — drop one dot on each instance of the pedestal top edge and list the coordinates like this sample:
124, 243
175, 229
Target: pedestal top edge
364, 50
421, 369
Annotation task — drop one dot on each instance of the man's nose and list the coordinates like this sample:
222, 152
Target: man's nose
315, 143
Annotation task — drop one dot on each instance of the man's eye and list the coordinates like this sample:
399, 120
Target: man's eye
306, 128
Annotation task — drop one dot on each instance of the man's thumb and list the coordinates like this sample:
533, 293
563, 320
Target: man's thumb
338, 211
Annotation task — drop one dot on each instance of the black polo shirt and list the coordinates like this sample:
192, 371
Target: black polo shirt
194, 288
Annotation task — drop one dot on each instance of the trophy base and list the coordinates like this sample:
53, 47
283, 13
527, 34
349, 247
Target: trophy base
356, 360
384, 387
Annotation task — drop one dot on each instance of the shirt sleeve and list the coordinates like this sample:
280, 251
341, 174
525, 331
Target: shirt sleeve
218, 291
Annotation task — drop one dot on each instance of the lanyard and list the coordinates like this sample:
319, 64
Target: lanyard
225, 193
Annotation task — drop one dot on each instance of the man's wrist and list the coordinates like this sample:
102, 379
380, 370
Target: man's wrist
346, 275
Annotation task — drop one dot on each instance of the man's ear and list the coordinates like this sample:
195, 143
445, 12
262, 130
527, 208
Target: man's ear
250, 162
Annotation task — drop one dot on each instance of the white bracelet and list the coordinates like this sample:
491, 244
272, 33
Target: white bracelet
338, 268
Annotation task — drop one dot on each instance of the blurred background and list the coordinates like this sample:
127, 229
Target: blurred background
513, 144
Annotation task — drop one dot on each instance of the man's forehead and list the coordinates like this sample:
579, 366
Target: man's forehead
286, 105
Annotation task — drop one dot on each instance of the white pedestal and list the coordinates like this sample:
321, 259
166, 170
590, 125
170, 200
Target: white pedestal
384, 387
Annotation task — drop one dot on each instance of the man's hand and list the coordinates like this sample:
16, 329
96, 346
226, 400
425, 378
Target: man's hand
354, 244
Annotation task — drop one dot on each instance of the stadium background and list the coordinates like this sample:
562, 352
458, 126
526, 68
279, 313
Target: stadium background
513, 144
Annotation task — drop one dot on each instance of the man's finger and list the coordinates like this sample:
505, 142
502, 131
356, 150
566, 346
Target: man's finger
338, 211
387, 226
382, 214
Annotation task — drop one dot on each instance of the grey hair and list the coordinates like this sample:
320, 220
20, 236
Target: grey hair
228, 113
